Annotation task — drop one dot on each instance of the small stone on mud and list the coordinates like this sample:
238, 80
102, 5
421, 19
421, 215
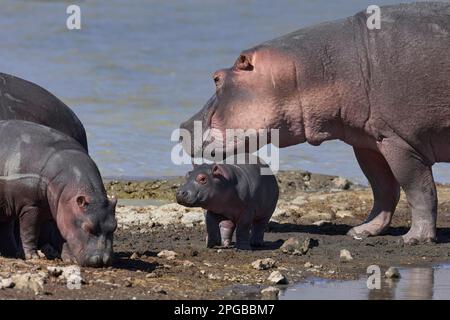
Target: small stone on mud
295, 247
308, 265
167, 254
270, 293
277, 277
321, 223
263, 264
345, 255
135, 256
29, 282
71, 274
6, 283
344, 214
187, 263
341, 183
392, 273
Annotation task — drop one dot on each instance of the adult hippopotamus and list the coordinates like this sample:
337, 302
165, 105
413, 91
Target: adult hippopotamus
23, 100
385, 92
46, 175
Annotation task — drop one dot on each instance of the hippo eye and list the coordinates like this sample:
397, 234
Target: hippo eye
201, 178
243, 63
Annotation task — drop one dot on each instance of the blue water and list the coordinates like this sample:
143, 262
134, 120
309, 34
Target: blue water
138, 68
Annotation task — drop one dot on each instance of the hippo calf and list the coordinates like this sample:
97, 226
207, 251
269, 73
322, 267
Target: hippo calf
46, 175
385, 92
234, 197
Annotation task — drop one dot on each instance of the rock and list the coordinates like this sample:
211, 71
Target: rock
345, 255
135, 256
167, 254
277, 277
308, 265
321, 223
295, 247
341, 183
344, 213
263, 264
187, 263
317, 215
270, 293
392, 273
30, 282
70, 274
6, 283
300, 200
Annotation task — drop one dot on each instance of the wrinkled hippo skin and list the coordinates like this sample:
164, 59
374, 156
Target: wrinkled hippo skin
385, 92
46, 175
23, 100
235, 197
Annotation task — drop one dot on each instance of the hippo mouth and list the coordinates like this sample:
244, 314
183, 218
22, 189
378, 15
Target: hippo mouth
96, 259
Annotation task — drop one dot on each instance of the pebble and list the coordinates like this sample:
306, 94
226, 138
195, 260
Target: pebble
71, 274
29, 282
187, 263
392, 273
167, 254
295, 246
263, 264
270, 293
345, 255
308, 265
6, 283
135, 256
277, 277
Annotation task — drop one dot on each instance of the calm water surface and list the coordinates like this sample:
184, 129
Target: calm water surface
138, 68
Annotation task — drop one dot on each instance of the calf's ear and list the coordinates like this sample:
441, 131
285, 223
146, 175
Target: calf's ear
218, 171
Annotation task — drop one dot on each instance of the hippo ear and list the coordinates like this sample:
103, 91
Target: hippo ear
218, 171
112, 201
82, 202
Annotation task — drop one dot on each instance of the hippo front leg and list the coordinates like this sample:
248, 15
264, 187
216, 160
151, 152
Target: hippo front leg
8, 245
226, 232
385, 189
416, 178
213, 237
29, 231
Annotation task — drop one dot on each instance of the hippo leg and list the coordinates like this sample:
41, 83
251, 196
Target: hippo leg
8, 245
257, 233
243, 227
29, 231
385, 189
226, 232
416, 178
212, 222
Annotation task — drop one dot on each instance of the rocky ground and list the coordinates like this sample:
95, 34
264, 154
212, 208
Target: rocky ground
161, 253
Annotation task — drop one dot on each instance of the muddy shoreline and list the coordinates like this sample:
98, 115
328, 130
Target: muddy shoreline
314, 209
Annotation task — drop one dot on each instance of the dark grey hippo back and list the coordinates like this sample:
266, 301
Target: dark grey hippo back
24, 100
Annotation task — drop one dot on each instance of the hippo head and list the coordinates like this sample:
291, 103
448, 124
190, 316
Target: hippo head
258, 93
87, 223
83, 212
207, 186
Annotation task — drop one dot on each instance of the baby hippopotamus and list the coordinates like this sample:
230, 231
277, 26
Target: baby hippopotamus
234, 197
46, 175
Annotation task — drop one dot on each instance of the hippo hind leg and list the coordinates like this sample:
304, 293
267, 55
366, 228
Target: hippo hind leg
385, 189
226, 232
8, 244
416, 178
29, 231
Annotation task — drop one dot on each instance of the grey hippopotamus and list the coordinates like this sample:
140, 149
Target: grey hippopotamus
234, 197
385, 92
23, 100
46, 175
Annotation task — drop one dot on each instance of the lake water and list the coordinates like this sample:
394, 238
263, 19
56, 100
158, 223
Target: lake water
138, 68
424, 283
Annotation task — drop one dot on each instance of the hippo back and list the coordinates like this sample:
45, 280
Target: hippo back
23, 100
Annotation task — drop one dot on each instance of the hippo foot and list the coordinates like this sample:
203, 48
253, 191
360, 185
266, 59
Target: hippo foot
33, 255
66, 254
257, 244
375, 227
414, 237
